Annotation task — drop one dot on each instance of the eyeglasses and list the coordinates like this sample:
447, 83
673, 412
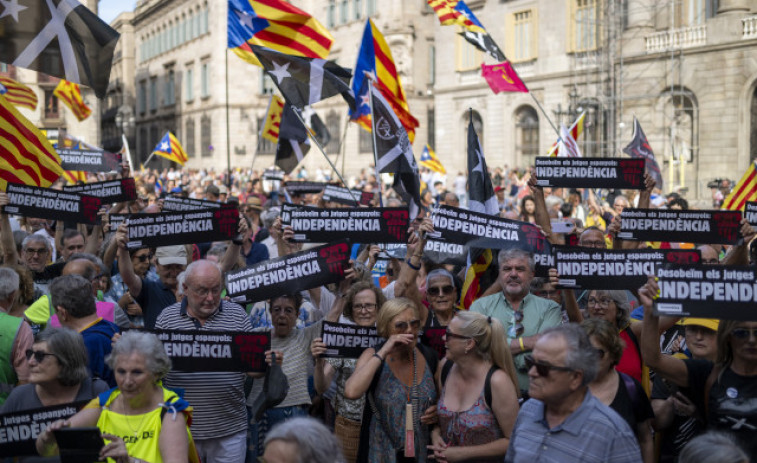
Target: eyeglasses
601, 353
439, 290
286, 310
402, 326
203, 292
38, 251
744, 333
542, 369
516, 328
604, 302
143, 257
364, 307
451, 335
39, 355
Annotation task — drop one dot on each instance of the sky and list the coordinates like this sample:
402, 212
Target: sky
109, 9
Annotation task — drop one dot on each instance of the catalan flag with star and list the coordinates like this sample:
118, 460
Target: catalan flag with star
457, 12
70, 94
170, 148
28, 156
745, 190
18, 93
277, 25
429, 160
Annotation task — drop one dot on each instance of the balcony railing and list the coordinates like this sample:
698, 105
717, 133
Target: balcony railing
749, 27
673, 39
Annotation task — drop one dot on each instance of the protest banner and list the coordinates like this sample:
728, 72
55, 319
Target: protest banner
19, 430
289, 274
347, 341
203, 350
113, 191
478, 230
443, 252
46, 203
621, 173
117, 219
363, 224
175, 204
341, 195
687, 226
303, 187
89, 160
719, 291
614, 269
750, 213
434, 338
188, 227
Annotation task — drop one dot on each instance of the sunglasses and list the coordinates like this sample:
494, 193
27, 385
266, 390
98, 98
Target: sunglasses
451, 335
744, 333
439, 290
143, 257
517, 328
402, 326
542, 369
38, 355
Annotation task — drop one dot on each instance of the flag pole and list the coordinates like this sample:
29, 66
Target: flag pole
559, 138
373, 138
128, 154
228, 129
312, 136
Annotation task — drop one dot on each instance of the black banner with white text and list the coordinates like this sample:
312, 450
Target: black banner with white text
347, 341
113, 191
719, 291
362, 224
89, 160
189, 227
750, 213
434, 338
174, 204
19, 430
289, 274
304, 187
687, 226
341, 195
46, 203
622, 173
203, 350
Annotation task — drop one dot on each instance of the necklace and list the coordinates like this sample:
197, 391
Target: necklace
128, 420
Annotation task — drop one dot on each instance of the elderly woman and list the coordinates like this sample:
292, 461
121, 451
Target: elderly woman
57, 375
301, 439
478, 402
363, 300
724, 390
618, 390
398, 377
139, 406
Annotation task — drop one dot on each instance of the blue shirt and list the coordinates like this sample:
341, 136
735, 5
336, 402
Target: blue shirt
592, 433
153, 298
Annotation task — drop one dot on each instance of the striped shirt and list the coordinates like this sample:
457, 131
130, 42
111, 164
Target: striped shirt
593, 433
217, 397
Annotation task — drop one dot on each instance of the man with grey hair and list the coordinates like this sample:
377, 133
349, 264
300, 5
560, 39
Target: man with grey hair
563, 421
15, 336
522, 314
302, 439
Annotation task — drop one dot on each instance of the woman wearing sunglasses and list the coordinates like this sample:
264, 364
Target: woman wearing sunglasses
57, 375
618, 390
398, 380
478, 402
724, 391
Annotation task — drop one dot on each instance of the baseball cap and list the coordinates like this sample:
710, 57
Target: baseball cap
710, 323
168, 255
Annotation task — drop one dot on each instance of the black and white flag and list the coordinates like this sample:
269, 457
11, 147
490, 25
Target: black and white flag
305, 81
293, 142
61, 38
480, 190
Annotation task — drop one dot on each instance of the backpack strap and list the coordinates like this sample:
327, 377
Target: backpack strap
711, 378
488, 386
445, 370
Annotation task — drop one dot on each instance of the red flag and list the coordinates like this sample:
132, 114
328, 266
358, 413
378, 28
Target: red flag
503, 78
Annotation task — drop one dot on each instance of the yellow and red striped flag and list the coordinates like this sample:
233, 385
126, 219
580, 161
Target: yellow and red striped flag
18, 93
270, 130
75, 176
170, 148
28, 157
575, 131
745, 190
70, 94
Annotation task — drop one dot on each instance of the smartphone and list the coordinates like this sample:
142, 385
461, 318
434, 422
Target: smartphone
79, 445
563, 226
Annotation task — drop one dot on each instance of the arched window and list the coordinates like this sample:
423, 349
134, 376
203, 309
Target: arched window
189, 137
332, 124
681, 123
526, 135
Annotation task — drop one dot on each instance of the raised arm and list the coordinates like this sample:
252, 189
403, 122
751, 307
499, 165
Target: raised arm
6, 234
541, 215
125, 267
232, 251
739, 254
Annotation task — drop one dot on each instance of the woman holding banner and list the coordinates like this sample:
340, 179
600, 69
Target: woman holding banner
363, 300
478, 402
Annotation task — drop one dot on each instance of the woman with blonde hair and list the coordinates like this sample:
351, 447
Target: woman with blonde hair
478, 402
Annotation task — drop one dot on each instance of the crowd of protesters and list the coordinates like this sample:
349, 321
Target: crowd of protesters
532, 372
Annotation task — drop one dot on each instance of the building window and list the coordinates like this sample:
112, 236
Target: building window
265, 146
688, 13
188, 28
51, 105
267, 86
431, 128
585, 17
370, 7
142, 97
196, 25
468, 57
331, 13
189, 85
170, 98
204, 18
365, 141
189, 137
205, 81
527, 135
153, 94
3, 67
523, 39
344, 6
205, 146
357, 7
332, 125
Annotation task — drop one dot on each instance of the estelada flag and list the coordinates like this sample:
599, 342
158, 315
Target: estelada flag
18, 93
70, 94
745, 190
270, 130
28, 156
502, 78
170, 148
277, 25
429, 160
